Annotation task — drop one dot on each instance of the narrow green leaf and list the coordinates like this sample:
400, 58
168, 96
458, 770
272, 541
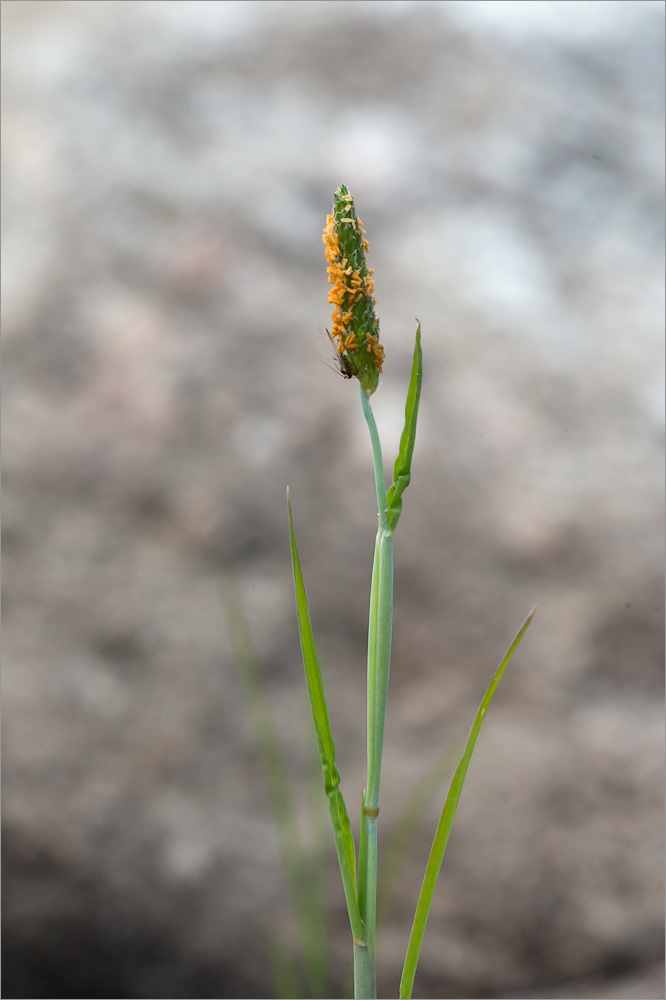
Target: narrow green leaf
400, 839
403, 463
445, 823
284, 974
344, 841
300, 865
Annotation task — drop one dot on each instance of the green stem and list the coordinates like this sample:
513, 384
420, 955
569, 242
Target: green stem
379, 658
364, 973
378, 461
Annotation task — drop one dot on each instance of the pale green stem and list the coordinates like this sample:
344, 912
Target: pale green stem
379, 658
364, 973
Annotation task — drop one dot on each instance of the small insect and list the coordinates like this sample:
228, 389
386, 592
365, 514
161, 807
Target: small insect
338, 362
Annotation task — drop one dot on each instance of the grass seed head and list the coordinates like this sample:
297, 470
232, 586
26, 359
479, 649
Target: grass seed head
355, 331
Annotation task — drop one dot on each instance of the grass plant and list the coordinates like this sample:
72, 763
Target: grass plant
355, 337
359, 354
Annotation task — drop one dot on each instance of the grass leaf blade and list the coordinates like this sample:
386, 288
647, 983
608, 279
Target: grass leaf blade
344, 841
300, 865
401, 836
403, 463
445, 823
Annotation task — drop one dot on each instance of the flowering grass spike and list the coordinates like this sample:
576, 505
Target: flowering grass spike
355, 332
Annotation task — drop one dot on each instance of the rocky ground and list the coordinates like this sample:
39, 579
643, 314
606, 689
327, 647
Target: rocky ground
167, 172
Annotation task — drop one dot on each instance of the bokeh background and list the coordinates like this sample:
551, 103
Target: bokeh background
167, 170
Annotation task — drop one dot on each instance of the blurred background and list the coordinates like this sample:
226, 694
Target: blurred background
167, 172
